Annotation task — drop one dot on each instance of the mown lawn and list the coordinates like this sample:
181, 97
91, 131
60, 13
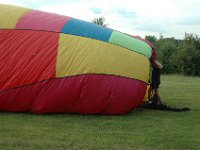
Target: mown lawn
140, 130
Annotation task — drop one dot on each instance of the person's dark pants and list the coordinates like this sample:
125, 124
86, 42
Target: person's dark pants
156, 78
155, 84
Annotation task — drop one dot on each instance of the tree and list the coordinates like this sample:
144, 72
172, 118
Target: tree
189, 55
100, 21
151, 38
178, 56
167, 49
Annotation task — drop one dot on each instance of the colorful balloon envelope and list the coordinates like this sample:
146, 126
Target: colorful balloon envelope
51, 63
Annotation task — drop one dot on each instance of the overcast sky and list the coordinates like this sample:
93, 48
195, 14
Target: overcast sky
170, 18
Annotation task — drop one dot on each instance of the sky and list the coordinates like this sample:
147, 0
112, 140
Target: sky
169, 18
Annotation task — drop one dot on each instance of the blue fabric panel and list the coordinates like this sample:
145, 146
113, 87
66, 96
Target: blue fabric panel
87, 29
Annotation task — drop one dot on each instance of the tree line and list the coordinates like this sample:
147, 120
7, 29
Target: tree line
178, 56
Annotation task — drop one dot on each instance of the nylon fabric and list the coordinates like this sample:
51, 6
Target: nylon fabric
38, 20
87, 29
126, 41
26, 57
10, 15
88, 69
85, 94
22, 18
78, 55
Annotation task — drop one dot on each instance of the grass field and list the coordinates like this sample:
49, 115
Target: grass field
139, 130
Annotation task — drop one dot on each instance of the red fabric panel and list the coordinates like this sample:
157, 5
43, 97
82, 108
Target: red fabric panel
26, 57
85, 94
38, 20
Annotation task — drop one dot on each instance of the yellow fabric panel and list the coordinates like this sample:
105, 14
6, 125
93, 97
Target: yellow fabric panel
146, 96
79, 55
10, 15
149, 94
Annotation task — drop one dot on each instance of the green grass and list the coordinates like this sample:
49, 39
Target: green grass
141, 129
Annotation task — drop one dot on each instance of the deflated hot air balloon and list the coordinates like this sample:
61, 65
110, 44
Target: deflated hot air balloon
53, 63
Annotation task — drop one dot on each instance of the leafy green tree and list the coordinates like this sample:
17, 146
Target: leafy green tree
151, 39
166, 50
178, 56
189, 55
100, 21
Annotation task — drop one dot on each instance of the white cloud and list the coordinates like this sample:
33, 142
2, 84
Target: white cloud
129, 16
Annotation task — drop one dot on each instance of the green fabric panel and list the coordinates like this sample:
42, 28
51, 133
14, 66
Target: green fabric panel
130, 43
